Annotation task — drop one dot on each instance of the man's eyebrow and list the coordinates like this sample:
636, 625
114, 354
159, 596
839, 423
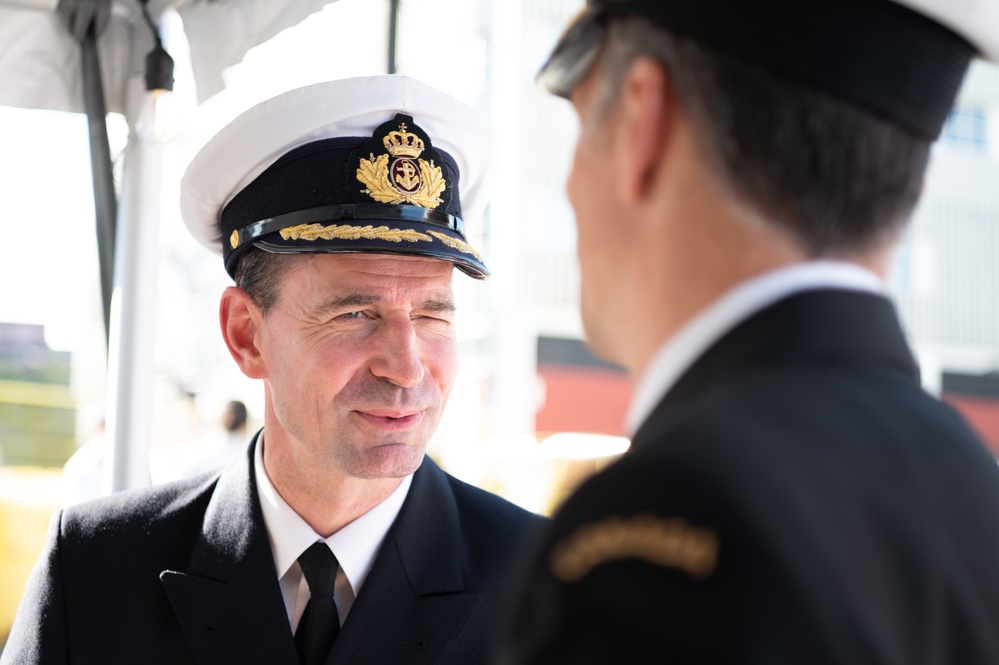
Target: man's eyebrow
349, 301
436, 306
362, 300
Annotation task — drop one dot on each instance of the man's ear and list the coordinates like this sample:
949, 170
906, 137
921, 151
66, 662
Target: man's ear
242, 323
646, 111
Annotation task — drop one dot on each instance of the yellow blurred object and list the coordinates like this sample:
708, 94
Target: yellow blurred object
575, 456
569, 475
28, 498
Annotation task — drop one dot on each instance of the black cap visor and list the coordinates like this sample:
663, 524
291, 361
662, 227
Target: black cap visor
362, 228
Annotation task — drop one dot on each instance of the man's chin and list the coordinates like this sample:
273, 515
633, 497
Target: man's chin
390, 460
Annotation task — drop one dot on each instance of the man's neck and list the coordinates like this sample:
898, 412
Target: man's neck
690, 280
326, 500
685, 266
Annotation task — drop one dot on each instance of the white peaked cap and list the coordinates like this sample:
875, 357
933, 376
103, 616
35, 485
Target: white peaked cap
352, 107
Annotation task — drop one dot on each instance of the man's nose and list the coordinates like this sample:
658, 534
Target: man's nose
397, 358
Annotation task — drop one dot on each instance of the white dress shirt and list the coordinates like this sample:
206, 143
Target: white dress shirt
679, 352
354, 546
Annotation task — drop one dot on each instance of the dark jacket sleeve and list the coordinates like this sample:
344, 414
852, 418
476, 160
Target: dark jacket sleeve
628, 568
39, 631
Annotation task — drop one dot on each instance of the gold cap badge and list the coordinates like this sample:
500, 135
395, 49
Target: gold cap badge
398, 175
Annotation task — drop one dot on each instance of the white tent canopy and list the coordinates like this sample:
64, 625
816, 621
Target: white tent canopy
41, 67
40, 59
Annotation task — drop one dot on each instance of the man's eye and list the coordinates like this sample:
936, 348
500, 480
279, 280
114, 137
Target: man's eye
434, 318
351, 315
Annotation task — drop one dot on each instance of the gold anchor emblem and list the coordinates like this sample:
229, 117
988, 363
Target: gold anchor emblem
406, 175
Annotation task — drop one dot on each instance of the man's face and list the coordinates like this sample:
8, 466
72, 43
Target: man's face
590, 188
360, 356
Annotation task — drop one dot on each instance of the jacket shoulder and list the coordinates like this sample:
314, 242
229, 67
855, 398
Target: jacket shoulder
141, 513
477, 503
493, 530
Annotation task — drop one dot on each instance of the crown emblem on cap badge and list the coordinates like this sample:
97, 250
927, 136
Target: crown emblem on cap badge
403, 143
407, 179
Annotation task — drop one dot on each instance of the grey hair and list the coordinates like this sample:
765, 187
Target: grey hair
839, 178
260, 274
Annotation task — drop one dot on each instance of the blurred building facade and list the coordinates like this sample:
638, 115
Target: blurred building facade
945, 279
37, 408
558, 385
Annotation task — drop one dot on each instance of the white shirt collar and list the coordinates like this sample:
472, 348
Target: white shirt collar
355, 545
679, 352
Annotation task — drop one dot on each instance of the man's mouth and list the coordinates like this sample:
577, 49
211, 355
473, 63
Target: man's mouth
390, 418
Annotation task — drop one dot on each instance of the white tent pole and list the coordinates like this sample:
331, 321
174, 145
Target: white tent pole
133, 309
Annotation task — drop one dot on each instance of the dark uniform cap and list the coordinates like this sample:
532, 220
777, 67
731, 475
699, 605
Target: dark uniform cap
904, 59
343, 167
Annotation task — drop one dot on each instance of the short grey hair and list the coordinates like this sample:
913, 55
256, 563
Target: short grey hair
841, 179
260, 273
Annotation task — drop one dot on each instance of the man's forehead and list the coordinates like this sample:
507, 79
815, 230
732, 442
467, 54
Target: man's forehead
369, 278
381, 265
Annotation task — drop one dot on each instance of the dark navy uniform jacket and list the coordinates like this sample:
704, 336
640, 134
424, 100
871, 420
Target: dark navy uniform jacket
795, 498
183, 573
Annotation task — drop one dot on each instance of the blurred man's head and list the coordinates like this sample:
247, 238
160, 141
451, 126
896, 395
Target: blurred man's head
836, 176
725, 138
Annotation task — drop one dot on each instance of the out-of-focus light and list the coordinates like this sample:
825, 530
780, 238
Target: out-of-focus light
157, 116
582, 446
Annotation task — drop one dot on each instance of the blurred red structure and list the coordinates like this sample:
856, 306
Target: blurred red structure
581, 392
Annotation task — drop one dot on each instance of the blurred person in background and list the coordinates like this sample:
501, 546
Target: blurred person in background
742, 174
334, 539
83, 473
224, 443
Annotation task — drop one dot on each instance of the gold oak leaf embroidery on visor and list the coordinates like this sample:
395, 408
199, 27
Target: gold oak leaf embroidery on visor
454, 243
347, 232
668, 543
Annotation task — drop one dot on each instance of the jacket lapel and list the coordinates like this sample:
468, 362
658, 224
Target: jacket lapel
228, 602
412, 607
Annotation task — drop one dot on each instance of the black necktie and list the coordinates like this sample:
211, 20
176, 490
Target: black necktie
320, 622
